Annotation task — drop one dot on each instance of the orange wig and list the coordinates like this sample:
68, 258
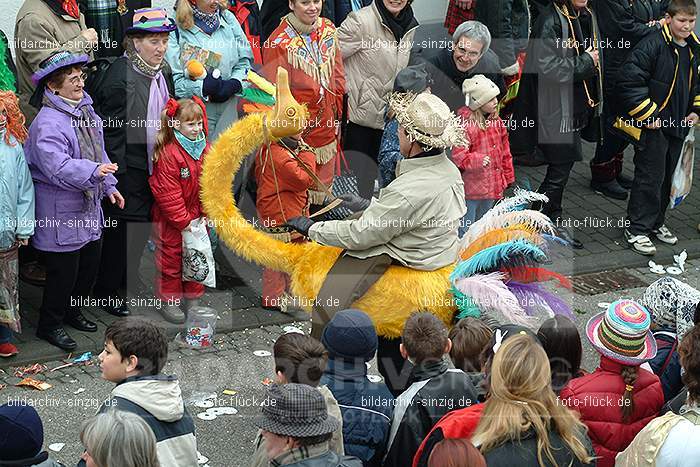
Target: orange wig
15, 118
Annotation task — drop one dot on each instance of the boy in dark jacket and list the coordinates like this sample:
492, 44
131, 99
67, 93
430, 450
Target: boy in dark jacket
659, 98
134, 355
366, 407
435, 390
622, 25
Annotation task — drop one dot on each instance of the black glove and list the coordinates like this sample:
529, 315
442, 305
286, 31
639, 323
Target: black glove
354, 202
301, 224
220, 90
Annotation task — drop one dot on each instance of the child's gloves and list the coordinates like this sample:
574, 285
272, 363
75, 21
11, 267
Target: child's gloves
354, 202
220, 90
301, 224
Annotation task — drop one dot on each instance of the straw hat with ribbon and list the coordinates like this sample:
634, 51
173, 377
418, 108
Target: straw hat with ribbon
427, 120
622, 333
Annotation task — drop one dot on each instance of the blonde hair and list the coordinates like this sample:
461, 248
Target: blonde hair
184, 15
521, 399
187, 111
480, 118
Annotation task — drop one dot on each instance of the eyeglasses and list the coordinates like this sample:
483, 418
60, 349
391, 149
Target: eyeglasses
75, 80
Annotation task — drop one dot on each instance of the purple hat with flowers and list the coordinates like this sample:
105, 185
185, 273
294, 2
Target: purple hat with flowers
61, 59
622, 333
151, 20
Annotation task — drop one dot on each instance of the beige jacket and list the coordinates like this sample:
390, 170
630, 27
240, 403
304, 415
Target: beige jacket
372, 59
260, 458
414, 220
39, 33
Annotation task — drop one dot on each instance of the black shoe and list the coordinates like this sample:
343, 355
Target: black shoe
79, 322
624, 181
120, 311
58, 337
611, 189
567, 236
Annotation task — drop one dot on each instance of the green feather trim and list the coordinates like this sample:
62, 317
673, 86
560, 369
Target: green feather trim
7, 79
465, 305
258, 96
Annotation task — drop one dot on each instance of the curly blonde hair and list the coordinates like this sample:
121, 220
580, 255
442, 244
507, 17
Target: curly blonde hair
15, 118
521, 399
184, 16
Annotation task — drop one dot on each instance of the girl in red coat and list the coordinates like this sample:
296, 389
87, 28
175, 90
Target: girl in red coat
619, 398
283, 172
180, 145
486, 164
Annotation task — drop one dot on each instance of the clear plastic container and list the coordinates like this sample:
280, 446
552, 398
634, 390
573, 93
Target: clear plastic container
200, 327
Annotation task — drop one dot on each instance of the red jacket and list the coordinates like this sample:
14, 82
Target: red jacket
597, 397
292, 182
175, 186
484, 182
456, 424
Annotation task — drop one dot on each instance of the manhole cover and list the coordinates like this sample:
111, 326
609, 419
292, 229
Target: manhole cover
608, 281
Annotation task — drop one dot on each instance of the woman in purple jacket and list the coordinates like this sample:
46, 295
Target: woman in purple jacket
71, 173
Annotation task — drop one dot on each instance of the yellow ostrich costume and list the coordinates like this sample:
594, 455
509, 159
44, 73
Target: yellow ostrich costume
389, 302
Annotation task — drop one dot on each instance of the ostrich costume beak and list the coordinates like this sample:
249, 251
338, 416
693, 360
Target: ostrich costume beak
288, 117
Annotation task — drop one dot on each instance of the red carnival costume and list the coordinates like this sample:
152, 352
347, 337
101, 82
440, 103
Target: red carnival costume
283, 187
175, 186
311, 56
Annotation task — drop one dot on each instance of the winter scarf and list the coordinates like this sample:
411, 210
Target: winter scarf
400, 24
64, 7
90, 140
194, 148
207, 22
157, 98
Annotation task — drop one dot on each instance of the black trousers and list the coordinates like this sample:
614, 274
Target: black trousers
653, 169
69, 277
606, 164
361, 147
557, 175
122, 250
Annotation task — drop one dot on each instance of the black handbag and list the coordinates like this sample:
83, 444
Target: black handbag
345, 181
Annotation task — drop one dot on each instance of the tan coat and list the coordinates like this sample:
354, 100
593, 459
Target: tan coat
372, 59
414, 220
39, 33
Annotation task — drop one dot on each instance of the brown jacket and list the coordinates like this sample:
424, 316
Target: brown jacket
372, 59
39, 33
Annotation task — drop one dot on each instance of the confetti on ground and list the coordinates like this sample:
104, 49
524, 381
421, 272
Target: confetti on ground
204, 404
673, 270
680, 258
206, 416
267, 382
33, 383
22, 371
87, 356
56, 447
262, 353
290, 329
656, 268
78, 391
61, 367
374, 378
603, 305
201, 459
230, 392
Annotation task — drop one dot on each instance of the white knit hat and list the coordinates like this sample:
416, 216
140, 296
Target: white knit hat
479, 90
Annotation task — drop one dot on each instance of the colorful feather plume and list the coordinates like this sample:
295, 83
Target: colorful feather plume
528, 274
517, 202
489, 294
494, 237
533, 220
533, 297
497, 256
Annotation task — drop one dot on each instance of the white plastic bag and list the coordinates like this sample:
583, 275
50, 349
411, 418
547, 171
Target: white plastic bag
682, 179
197, 255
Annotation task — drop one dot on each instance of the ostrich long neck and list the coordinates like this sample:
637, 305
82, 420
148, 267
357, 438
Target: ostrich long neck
219, 168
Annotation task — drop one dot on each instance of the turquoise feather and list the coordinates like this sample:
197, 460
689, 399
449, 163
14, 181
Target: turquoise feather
465, 305
494, 257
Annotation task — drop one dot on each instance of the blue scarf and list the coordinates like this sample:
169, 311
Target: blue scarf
207, 22
194, 148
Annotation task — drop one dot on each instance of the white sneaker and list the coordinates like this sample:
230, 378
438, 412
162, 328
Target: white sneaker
640, 243
665, 235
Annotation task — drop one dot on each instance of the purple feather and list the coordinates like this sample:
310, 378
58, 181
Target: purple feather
532, 296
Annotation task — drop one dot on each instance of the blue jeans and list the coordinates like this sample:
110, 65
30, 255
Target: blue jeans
476, 208
5, 334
